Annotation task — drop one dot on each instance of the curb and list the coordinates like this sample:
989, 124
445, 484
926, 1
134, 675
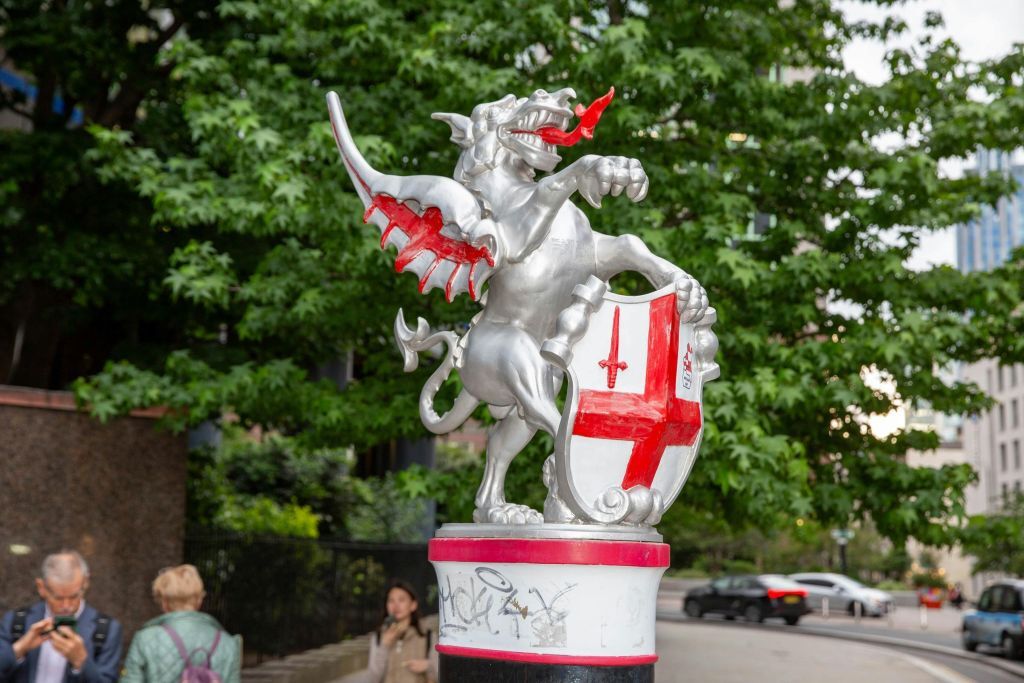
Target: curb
861, 637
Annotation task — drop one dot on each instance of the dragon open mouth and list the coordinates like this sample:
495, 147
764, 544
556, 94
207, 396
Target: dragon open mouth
547, 136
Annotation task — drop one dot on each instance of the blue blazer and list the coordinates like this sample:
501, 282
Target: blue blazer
101, 667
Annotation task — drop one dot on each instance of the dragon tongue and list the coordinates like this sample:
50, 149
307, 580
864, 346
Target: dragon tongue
584, 129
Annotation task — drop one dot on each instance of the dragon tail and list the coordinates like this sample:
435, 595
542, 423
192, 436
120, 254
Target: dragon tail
410, 342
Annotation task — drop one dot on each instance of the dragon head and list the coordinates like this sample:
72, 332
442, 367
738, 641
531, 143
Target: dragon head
519, 132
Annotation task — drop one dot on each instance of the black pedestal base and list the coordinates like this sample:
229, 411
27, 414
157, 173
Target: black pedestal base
478, 670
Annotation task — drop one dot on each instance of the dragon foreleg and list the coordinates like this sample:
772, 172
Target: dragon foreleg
410, 342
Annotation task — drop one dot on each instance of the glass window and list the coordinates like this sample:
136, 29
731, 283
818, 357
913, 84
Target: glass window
815, 582
1015, 413
1016, 454
1009, 599
999, 376
985, 602
1002, 457
1002, 416
1006, 492
997, 598
1013, 375
720, 584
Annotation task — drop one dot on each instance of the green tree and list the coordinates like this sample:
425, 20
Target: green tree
996, 541
81, 264
286, 276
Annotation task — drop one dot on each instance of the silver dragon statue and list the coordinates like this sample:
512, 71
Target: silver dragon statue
631, 426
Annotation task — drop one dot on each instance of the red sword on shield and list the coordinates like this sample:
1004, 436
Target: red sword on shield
612, 363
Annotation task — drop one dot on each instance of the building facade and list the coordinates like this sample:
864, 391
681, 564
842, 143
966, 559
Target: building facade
986, 242
996, 438
992, 443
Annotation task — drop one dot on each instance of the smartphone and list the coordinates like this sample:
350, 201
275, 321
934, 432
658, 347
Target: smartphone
69, 621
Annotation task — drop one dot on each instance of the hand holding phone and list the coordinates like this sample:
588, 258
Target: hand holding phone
69, 621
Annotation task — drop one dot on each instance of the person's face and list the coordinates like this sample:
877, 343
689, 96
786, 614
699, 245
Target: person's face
63, 599
400, 604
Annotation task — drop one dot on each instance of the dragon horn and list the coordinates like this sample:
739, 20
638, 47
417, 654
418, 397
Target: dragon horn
363, 175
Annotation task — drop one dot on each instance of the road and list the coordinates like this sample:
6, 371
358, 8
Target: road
716, 650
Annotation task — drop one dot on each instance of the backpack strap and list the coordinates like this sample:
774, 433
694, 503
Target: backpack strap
178, 643
99, 636
18, 625
209, 654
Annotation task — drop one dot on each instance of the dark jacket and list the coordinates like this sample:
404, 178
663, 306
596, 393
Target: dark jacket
153, 657
99, 667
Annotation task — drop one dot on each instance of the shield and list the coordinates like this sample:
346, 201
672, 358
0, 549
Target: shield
632, 422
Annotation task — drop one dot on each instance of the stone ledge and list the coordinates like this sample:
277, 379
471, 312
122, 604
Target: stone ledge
320, 665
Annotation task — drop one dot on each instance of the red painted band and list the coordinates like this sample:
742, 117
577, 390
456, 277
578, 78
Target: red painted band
569, 660
549, 551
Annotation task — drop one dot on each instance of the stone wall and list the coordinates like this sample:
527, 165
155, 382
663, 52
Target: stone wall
115, 492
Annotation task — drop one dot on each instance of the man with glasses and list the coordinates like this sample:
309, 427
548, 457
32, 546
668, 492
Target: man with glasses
61, 639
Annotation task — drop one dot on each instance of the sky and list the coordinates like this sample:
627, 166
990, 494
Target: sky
983, 28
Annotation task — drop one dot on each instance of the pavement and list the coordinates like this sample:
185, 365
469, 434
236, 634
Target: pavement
695, 651
932, 636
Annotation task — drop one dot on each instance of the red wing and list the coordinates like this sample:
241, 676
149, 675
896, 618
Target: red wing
447, 256
425, 217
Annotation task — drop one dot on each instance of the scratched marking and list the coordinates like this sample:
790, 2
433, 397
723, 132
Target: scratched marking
487, 598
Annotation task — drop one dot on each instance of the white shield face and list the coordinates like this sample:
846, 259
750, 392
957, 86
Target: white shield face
632, 424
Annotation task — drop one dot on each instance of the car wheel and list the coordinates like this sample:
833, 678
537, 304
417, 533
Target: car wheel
968, 642
753, 613
852, 608
1010, 649
792, 621
692, 609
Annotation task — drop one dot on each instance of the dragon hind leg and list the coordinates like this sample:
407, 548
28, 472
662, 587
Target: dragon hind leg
504, 442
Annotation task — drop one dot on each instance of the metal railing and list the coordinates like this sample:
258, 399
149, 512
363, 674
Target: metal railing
285, 595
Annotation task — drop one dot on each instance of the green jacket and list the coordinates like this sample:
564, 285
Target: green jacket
153, 658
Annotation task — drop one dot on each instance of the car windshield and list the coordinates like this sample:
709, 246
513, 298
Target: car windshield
779, 582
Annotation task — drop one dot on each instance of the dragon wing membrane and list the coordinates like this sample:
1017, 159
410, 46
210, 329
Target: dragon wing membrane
428, 218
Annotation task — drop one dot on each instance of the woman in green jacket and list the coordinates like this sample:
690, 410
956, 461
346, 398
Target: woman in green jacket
155, 657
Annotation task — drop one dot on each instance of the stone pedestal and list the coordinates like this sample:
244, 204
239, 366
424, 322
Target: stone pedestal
547, 609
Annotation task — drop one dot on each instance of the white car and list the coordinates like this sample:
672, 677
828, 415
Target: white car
843, 594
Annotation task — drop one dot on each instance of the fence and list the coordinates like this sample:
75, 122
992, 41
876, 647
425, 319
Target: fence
286, 595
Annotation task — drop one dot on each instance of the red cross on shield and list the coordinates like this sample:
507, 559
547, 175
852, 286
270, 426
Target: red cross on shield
633, 412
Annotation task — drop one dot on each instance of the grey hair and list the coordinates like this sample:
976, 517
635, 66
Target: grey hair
61, 567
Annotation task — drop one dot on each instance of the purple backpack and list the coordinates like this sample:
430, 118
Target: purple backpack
195, 673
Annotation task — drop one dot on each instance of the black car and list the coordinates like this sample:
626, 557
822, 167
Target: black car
755, 598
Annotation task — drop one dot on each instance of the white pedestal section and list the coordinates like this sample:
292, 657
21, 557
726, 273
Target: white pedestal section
549, 601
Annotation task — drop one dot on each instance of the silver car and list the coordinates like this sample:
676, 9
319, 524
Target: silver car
843, 594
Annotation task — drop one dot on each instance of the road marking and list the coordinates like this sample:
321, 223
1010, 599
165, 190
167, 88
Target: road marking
940, 672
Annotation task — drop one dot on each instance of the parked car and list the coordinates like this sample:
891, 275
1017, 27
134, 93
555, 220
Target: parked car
843, 594
755, 598
998, 619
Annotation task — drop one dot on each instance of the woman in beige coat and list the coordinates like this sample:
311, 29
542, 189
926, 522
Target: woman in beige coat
401, 650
